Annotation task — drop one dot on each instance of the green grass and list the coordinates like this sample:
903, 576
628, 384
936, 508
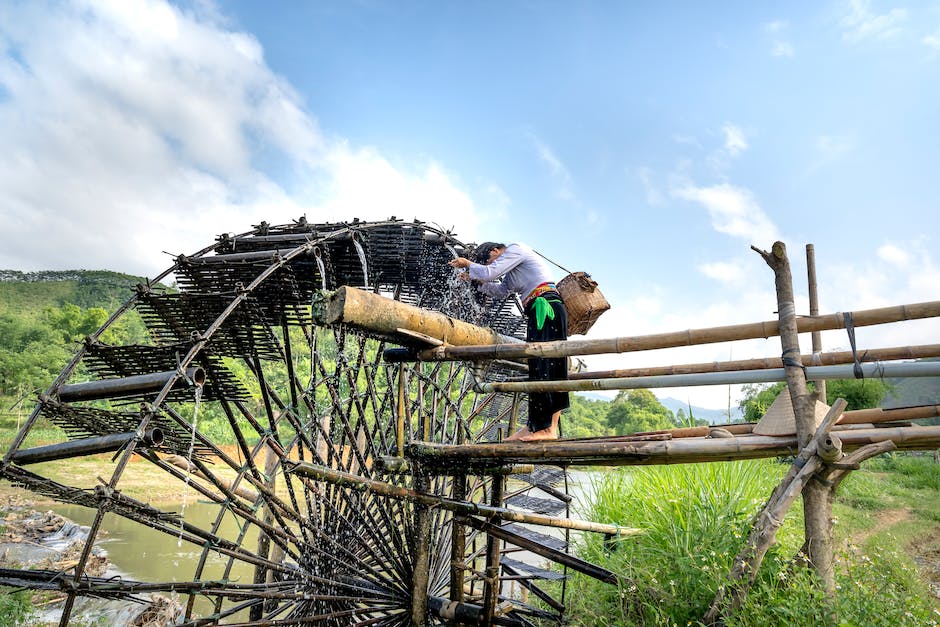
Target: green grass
695, 519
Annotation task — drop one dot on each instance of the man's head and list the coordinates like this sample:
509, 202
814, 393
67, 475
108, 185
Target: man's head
482, 253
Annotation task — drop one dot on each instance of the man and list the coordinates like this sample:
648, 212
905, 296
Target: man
501, 270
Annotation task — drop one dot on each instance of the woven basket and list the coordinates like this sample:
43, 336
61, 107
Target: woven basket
583, 300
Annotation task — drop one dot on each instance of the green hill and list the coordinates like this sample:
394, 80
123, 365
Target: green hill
44, 316
25, 292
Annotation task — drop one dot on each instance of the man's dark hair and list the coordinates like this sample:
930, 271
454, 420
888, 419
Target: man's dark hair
481, 254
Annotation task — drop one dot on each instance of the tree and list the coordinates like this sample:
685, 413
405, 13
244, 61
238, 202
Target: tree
586, 418
638, 410
858, 393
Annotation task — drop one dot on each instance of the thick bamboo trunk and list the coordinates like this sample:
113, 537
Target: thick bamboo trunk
393, 318
85, 446
817, 507
126, 386
690, 337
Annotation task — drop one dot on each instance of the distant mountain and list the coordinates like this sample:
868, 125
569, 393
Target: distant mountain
713, 416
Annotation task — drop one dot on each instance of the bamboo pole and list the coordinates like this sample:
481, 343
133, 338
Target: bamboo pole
691, 337
355, 482
876, 415
813, 373
679, 451
181, 462
765, 363
820, 392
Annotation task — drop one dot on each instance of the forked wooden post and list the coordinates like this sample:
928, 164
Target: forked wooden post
817, 507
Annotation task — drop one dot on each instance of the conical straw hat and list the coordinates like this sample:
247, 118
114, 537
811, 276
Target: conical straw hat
779, 419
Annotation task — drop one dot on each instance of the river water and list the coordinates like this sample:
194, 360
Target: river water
140, 553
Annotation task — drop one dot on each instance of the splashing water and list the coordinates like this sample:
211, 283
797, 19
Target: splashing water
322, 267
362, 260
189, 461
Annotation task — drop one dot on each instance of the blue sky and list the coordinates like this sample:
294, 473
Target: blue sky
648, 145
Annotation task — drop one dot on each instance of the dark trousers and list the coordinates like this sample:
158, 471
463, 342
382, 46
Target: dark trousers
542, 405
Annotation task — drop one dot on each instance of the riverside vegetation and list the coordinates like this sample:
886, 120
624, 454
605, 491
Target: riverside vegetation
695, 517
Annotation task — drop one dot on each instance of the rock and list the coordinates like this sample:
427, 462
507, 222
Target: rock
161, 611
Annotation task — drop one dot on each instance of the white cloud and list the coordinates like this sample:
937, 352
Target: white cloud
932, 41
829, 149
893, 255
724, 271
733, 210
134, 127
782, 49
689, 140
735, 140
558, 170
898, 274
389, 191
654, 197
861, 22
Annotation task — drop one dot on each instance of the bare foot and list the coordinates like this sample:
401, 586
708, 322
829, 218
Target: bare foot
524, 435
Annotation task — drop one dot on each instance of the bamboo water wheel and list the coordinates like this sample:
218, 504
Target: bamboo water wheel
237, 357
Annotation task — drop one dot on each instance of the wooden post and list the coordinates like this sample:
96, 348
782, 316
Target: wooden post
817, 506
262, 574
491, 582
422, 542
458, 542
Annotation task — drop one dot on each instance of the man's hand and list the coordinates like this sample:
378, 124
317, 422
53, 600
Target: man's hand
459, 262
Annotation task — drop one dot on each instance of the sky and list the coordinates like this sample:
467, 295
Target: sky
649, 144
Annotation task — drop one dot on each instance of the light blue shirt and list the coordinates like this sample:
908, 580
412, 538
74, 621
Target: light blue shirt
519, 269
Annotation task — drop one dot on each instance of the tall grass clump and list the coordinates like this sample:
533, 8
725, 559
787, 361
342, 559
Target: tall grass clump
694, 519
